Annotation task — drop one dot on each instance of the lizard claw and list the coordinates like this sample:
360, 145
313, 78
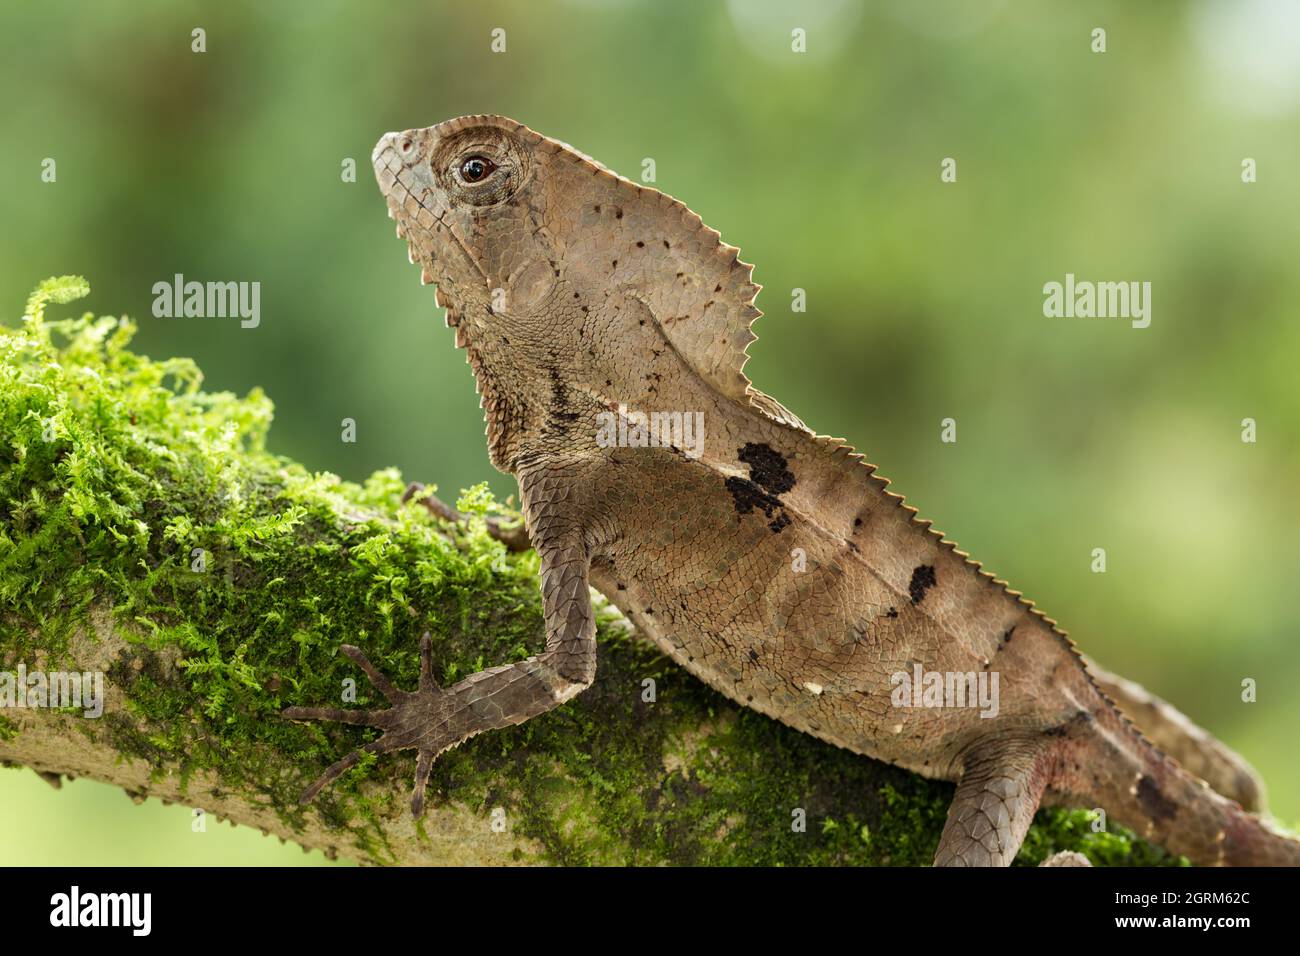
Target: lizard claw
418, 720
377, 679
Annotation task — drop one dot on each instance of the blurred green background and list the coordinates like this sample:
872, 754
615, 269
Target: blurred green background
924, 298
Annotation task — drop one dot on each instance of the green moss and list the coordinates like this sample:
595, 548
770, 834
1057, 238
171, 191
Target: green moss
1059, 829
124, 485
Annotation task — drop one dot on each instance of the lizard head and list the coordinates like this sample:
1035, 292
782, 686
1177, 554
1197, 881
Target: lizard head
527, 235
467, 199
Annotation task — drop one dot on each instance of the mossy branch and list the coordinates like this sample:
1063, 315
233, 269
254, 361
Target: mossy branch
147, 533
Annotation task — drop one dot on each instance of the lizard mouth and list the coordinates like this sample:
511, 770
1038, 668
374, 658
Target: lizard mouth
422, 254
424, 226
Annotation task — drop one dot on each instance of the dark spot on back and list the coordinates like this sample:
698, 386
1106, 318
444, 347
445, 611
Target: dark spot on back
893, 612
922, 580
1155, 804
767, 467
748, 496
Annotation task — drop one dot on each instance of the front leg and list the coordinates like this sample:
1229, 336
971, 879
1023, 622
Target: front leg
432, 719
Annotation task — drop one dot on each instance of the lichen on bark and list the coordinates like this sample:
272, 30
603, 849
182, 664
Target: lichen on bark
147, 532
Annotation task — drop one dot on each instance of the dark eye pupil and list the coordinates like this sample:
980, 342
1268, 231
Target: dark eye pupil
476, 168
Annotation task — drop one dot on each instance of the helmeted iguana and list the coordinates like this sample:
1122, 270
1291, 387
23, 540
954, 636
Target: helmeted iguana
769, 561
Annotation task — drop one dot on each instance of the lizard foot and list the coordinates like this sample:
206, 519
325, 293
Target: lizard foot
428, 720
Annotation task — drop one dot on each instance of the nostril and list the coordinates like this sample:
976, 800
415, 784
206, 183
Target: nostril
406, 145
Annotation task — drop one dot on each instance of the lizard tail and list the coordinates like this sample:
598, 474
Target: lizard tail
1141, 787
1174, 734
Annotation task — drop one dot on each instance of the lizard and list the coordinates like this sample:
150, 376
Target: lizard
771, 562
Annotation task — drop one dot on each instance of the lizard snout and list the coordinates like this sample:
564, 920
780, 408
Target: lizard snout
403, 145
385, 143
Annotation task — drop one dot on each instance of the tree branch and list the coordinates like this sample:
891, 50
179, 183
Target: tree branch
148, 536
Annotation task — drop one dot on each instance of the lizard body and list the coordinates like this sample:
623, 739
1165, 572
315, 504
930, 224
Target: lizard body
769, 561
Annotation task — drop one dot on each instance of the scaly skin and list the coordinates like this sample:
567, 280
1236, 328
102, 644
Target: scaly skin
774, 565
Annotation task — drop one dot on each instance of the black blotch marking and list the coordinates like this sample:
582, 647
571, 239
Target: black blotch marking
767, 467
640, 245
857, 522
559, 398
922, 580
769, 477
753, 655
893, 612
1157, 806
747, 496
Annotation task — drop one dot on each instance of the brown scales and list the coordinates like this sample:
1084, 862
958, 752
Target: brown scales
576, 291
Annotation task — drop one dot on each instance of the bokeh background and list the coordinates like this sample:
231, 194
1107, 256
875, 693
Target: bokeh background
924, 299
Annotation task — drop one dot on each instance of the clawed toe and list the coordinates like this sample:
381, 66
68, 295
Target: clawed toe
389, 720
336, 770
359, 718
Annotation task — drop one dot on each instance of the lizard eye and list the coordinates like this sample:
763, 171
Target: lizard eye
476, 169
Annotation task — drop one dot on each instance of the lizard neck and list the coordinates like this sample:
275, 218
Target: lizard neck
493, 371
526, 389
